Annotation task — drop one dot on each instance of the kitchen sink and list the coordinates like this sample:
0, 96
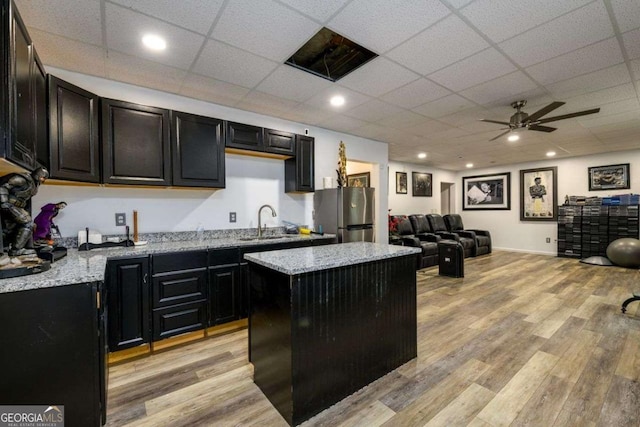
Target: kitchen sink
280, 236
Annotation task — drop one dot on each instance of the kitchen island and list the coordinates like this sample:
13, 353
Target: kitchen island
326, 321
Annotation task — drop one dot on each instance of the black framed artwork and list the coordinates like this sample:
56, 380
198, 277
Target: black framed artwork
359, 179
422, 184
610, 177
401, 183
539, 194
486, 192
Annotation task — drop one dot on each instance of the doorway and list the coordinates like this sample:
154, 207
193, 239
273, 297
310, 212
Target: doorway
446, 197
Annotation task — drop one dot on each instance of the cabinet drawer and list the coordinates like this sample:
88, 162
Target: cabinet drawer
178, 319
279, 142
223, 257
178, 261
244, 136
179, 287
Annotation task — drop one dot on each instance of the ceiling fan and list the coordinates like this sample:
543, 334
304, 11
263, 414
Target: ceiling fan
522, 120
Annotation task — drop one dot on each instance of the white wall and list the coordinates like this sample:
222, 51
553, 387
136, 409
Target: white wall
251, 181
406, 204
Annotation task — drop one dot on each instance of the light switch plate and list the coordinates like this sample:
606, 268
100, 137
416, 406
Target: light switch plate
232, 217
121, 219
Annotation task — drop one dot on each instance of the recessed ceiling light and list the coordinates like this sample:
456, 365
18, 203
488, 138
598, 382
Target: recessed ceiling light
422, 155
551, 153
469, 165
513, 137
337, 101
154, 42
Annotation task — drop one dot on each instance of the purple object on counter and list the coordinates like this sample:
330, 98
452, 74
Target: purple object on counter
44, 220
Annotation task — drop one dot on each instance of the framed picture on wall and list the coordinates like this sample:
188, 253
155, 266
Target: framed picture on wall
359, 179
487, 192
539, 194
401, 183
422, 184
611, 177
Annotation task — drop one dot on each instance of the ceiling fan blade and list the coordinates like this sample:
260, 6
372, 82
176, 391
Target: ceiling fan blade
494, 121
545, 110
568, 116
502, 134
541, 128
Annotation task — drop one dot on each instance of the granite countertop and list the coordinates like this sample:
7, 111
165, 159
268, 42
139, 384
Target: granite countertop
89, 266
305, 260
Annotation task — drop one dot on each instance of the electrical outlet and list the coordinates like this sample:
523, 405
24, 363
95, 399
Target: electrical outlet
121, 219
548, 239
232, 217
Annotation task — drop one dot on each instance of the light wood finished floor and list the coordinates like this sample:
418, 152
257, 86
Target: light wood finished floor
522, 340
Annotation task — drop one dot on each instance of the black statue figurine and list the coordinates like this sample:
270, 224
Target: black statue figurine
16, 189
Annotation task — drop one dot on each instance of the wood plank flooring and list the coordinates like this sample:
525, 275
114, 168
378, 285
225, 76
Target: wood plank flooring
522, 340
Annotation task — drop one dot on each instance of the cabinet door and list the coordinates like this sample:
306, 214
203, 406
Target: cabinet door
128, 302
197, 144
41, 135
279, 142
74, 134
299, 172
225, 295
135, 142
245, 137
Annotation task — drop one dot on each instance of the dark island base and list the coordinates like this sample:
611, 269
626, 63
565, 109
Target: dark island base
318, 337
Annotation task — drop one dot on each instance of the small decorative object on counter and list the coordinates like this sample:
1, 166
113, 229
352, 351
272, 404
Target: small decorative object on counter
342, 166
45, 232
16, 189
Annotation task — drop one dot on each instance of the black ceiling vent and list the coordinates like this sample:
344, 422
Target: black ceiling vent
330, 55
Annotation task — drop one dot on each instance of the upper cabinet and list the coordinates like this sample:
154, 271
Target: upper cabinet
299, 172
135, 144
245, 137
22, 92
197, 144
73, 132
279, 142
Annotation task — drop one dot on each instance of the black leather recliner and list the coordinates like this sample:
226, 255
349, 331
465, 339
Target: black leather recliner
429, 255
466, 239
422, 229
483, 237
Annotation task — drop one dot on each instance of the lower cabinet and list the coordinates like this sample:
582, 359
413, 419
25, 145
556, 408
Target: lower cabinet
178, 319
128, 302
224, 294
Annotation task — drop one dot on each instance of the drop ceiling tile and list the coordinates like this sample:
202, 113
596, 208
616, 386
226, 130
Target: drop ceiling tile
352, 99
578, 62
378, 77
291, 83
428, 128
618, 107
479, 68
502, 87
458, 3
195, 15
627, 13
602, 79
303, 113
318, 10
446, 42
373, 111
574, 30
370, 130
74, 19
140, 72
503, 19
443, 106
465, 116
341, 123
69, 54
403, 119
635, 69
212, 90
227, 63
631, 42
264, 103
630, 116
379, 25
264, 27
125, 29
415, 93
597, 98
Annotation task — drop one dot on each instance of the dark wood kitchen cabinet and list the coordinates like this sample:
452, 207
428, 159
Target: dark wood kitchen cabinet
244, 137
135, 144
128, 295
299, 172
22, 92
224, 286
197, 146
279, 142
74, 137
179, 302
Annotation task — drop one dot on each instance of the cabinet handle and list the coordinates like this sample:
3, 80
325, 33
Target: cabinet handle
144, 278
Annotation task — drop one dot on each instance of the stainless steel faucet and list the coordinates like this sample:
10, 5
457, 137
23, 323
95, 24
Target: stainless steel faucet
273, 214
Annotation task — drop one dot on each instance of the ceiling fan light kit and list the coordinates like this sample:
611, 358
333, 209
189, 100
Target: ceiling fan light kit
522, 120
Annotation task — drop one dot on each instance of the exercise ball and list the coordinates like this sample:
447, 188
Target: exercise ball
624, 252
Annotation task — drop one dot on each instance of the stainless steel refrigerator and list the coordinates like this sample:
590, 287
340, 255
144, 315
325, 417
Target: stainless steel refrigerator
348, 212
